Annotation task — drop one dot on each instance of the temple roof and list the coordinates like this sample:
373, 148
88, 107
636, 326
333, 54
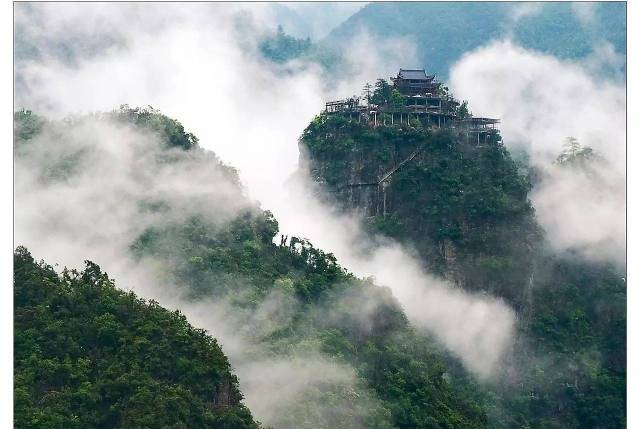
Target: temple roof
414, 74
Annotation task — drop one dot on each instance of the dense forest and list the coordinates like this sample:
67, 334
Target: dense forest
464, 206
90, 355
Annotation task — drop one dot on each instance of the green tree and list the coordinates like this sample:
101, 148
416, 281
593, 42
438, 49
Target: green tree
366, 92
574, 154
397, 99
26, 125
382, 92
463, 111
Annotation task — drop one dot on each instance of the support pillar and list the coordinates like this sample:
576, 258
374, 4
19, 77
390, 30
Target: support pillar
384, 202
384, 199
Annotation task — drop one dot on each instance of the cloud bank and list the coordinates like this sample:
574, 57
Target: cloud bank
541, 101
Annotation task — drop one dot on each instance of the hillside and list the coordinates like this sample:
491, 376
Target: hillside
463, 205
287, 303
435, 28
90, 355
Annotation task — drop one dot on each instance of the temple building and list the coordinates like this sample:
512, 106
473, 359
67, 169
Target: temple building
421, 99
415, 82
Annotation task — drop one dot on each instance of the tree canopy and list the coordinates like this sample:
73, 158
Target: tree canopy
90, 355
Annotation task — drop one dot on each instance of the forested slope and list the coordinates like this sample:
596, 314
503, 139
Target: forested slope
90, 355
464, 207
315, 310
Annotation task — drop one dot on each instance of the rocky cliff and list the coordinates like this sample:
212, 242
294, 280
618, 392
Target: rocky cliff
461, 204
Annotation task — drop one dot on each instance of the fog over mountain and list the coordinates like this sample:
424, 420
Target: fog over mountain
265, 155
200, 63
539, 109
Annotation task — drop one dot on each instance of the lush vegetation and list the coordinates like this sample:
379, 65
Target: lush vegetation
573, 349
90, 355
465, 208
403, 378
281, 47
26, 125
170, 131
401, 369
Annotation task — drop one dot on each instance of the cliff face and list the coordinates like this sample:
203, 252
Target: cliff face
464, 206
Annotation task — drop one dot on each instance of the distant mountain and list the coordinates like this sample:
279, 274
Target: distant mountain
444, 31
314, 20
